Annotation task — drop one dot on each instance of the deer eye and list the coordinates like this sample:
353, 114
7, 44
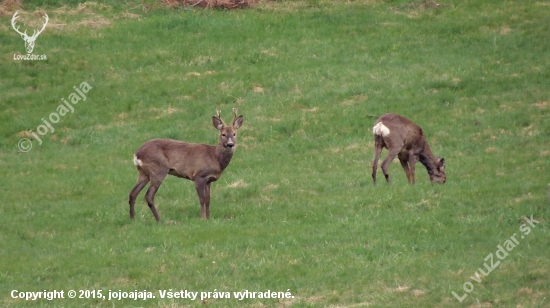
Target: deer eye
233, 134
223, 135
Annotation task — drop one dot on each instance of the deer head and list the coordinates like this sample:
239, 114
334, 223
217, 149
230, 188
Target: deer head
228, 134
29, 40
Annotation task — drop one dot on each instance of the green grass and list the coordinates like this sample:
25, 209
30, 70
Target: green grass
296, 209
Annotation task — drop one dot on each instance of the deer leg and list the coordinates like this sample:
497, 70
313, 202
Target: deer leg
404, 160
386, 163
207, 200
201, 187
377, 151
153, 188
412, 161
141, 182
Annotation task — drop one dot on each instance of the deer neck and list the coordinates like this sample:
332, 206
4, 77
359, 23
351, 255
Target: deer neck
223, 155
428, 159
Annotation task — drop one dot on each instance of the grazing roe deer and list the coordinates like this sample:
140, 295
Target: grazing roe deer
405, 140
200, 163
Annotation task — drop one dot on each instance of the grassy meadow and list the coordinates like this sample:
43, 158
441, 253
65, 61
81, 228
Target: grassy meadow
296, 209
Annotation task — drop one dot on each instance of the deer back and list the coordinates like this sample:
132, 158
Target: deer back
398, 131
182, 159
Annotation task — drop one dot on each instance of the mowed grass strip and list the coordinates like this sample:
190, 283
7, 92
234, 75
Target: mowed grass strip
296, 209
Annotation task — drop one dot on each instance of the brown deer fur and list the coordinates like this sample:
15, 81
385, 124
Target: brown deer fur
405, 140
200, 163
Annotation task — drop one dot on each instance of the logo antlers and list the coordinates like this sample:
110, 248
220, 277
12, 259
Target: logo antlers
29, 40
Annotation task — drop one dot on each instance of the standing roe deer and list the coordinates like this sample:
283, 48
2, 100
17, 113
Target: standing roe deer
405, 140
200, 163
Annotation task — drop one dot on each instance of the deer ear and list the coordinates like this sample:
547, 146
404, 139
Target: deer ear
238, 122
218, 124
441, 164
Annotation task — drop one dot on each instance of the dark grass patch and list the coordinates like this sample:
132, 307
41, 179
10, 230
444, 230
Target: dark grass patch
223, 4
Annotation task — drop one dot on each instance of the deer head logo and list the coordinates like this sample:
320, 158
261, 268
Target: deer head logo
29, 40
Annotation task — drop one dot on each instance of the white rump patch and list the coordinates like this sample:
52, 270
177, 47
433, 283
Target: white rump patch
137, 162
380, 130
